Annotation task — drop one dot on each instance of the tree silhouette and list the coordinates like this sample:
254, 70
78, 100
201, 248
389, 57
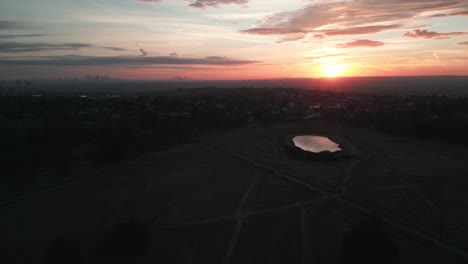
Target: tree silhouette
368, 243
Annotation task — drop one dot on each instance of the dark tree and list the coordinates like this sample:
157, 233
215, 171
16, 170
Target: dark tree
368, 243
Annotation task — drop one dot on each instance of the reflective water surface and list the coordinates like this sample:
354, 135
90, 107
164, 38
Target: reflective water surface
315, 144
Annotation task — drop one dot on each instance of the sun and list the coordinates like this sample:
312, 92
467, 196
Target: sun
333, 70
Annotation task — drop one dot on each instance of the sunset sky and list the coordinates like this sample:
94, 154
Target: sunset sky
232, 39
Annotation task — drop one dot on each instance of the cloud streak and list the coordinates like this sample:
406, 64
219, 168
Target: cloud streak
32, 47
361, 43
360, 30
12, 36
202, 4
216, 3
461, 13
272, 31
422, 33
13, 25
114, 48
19, 47
436, 56
325, 56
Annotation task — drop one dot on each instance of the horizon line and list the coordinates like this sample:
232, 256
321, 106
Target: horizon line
81, 78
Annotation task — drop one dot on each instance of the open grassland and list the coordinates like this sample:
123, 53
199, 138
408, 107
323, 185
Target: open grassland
235, 197
419, 181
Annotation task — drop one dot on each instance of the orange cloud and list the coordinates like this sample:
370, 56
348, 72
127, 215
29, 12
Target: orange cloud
460, 13
332, 18
359, 30
361, 43
422, 33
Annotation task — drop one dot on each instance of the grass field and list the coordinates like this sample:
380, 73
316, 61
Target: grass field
236, 197
420, 181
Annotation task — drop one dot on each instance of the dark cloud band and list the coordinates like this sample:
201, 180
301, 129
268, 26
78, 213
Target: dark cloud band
32, 47
123, 61
19, 47
12, 36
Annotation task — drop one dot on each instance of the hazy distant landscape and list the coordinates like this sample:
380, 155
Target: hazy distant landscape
429, 85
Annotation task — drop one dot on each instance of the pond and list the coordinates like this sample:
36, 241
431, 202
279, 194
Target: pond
315, 144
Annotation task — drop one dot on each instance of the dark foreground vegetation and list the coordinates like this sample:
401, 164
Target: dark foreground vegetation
126, 242
44, 137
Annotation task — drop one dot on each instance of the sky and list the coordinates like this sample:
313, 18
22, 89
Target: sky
232, 39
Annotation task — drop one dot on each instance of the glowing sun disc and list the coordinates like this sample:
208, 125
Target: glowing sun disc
333, 70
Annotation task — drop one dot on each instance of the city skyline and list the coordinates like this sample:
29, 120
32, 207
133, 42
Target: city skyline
233, 39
